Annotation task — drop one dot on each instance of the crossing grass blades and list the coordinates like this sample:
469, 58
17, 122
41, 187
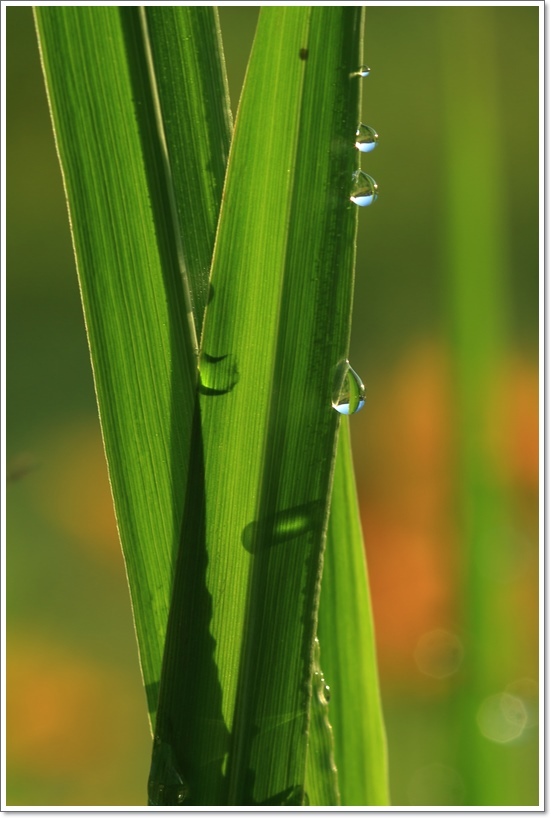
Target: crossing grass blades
216, 266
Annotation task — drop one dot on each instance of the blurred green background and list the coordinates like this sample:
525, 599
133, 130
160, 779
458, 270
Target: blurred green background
445, 336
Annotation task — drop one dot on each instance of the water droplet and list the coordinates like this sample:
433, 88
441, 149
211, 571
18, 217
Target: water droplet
166, 786
362, 71
323, 691
366, 138
217, 374
364, 189
349, 391
321, 732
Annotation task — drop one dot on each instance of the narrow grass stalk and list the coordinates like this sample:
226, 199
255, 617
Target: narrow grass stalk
348, 652
145, 371
476, 236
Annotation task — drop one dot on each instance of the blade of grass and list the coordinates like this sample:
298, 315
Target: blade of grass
190, 77
121, 202
275, 330
347, 639
476, 235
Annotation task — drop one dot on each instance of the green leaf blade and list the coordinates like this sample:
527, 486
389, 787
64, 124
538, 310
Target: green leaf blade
189, 74
259, 446
348, 652
280, 314
140, 334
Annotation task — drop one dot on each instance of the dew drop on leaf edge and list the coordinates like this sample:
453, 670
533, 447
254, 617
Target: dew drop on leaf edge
366, 138
364, 189
349, 394
361, 71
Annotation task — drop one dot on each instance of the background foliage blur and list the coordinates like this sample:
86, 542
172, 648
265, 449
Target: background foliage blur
445, 337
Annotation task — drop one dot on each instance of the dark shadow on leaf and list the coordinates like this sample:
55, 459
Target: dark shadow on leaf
189, 716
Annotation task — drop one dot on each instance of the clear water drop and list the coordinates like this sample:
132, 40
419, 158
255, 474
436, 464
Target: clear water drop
322, 689
349, 392
366, 138
364, 189
218, 374
166, 786
319, 685
321, 732
362, 71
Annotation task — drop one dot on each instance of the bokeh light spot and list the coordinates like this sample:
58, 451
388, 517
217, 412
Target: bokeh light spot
527, 691
73, 492
439, 654
436, 785
53, 702
502, 717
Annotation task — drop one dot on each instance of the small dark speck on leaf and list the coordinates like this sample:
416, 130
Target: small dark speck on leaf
303, 53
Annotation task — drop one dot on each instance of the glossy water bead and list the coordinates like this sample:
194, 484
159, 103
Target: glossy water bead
364, 189
361, 71
349, 394
366, 138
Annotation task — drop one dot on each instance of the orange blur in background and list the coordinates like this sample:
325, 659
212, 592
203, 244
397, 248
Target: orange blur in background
457, 635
